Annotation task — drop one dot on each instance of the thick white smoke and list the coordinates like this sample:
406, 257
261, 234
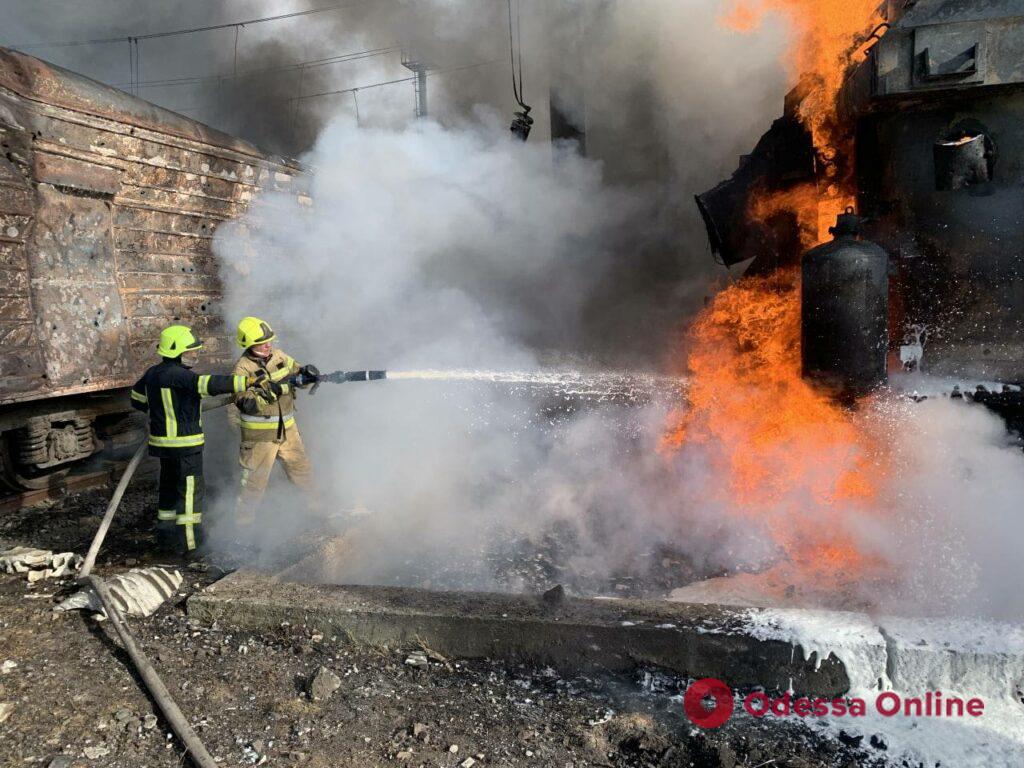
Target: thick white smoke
953, 511
455, 247
428, 247
434, 248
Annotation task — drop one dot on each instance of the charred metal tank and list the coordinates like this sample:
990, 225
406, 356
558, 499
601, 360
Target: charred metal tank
108, 206
935, 119
844, 304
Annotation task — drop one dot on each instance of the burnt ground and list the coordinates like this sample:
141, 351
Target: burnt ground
77, 702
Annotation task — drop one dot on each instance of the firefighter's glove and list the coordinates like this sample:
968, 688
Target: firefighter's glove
268, 390
308, 374
249, 405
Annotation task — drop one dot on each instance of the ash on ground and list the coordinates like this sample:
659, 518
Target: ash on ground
511, 562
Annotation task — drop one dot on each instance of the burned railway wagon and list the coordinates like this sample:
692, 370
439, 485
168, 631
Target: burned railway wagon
933, 120
108, 206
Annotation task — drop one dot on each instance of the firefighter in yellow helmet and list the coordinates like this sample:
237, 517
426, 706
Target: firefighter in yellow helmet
266, 418
171, 393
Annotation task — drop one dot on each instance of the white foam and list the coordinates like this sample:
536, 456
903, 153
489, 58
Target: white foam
960, 657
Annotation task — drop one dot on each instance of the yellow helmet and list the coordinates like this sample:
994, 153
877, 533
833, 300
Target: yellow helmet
253, 331
176, 339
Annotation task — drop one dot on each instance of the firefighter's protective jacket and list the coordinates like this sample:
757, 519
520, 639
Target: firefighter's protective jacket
172, 395
261, 416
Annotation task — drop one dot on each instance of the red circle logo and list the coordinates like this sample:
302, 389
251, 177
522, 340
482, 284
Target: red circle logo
702, 691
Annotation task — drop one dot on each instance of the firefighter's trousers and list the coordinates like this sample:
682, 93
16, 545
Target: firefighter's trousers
180, 504
257, 459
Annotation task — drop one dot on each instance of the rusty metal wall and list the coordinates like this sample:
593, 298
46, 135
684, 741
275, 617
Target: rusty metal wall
108, 207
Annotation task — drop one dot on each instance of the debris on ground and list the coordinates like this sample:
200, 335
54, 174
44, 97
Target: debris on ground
39, 564
323, 684
554, 596
417, 659
138, 593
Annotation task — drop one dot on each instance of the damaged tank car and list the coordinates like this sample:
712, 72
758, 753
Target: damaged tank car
108, 205
930, 146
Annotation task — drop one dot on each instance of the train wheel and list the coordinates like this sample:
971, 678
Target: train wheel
17, 480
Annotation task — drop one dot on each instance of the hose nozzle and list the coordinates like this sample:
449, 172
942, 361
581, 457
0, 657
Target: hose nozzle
364, 375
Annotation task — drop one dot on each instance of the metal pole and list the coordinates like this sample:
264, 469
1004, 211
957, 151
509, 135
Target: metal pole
421, 92
108, 517
355, 100
193, 746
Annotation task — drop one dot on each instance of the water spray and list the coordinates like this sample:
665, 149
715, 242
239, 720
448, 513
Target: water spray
569, 383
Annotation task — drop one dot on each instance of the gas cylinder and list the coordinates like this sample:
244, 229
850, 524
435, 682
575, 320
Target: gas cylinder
844, 299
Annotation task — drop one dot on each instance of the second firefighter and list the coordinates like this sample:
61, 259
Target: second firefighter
266, 418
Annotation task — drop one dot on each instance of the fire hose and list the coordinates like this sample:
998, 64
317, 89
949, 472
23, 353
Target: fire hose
172, 713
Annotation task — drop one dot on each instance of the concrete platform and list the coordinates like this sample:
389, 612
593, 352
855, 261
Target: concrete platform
575, 635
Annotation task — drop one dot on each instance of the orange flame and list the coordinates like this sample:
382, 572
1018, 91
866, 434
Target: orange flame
815, 211
827, 31
783, 454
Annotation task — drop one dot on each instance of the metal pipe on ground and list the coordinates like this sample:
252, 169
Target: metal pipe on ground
193, 746
108, 517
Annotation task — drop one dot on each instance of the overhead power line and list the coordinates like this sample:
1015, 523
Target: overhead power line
192, 30
358, 88
297, 66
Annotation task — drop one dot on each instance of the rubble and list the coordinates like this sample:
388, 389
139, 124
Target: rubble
323, 684
417, 659
6, 710
554, 596
141, 591
39, 564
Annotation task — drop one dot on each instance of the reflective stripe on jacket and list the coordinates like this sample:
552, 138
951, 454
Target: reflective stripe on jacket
266, 422
172, 394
